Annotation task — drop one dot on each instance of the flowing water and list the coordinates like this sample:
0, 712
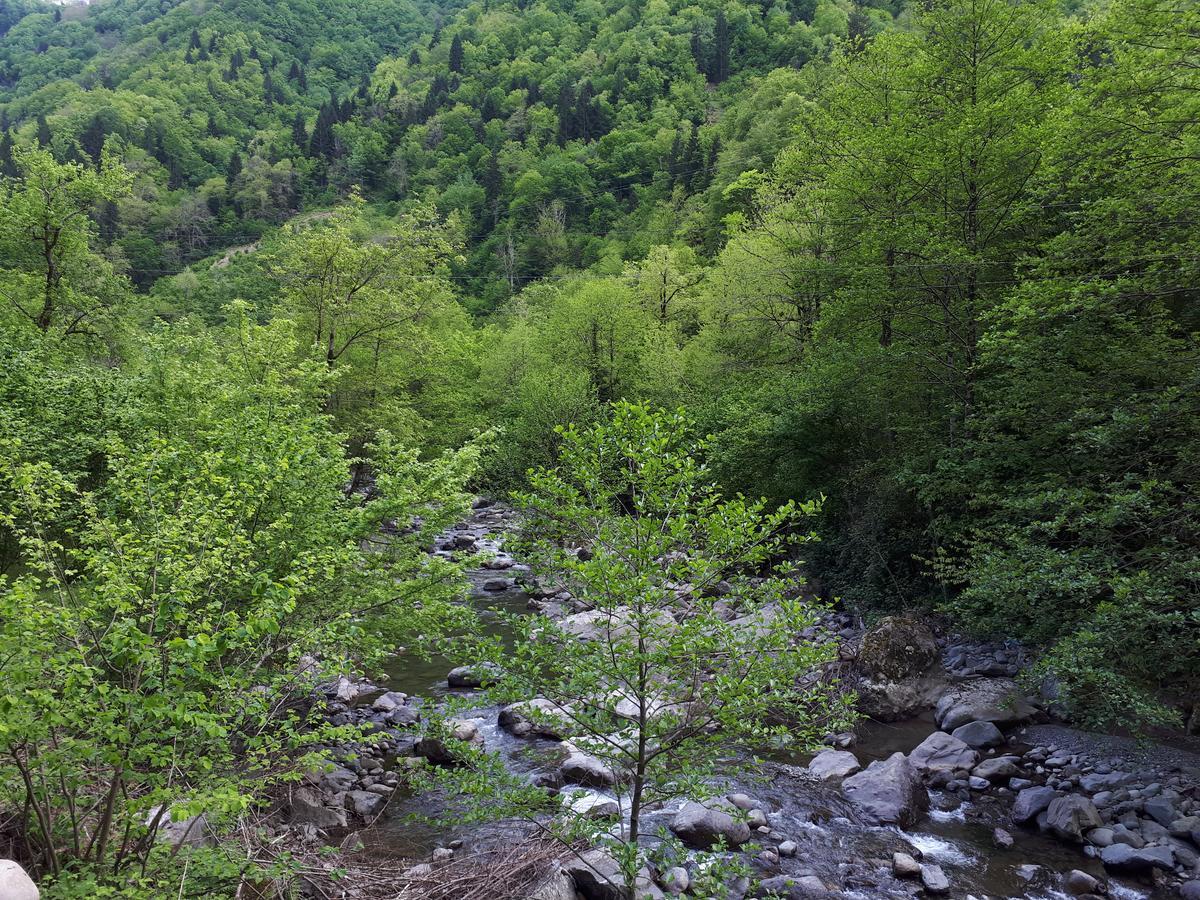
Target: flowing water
954, 834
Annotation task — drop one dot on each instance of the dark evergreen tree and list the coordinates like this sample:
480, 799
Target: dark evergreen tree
300, 131
8, 167
43, 132
456, 54
202, 54
303, 81
675, 158
721, 46
489, 109
268, 89
212, 44
414, 57
321, 142
195, 41
393, 90
212, 128
187, 56
692, 167
234, 169
566, 113
294, 71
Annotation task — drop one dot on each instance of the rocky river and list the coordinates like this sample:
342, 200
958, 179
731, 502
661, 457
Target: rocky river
953, 784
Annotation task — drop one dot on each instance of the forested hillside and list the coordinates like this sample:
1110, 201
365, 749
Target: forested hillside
279, 277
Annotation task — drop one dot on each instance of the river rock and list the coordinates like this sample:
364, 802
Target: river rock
587, 770
307, 809
790, 887
979, 735
1124, 858
590, 805
1078, 883
1162, 810
940, 752
389, 701
558, 886
366, 804
1032, 801
1070, 816
15, 884
597, 876
833, 764
897, 647
675, 880
539, 716
904, 866
1002, 838
994, 700
1190, 890
1000, 768
702, 826
934, 879
469, 677
442, 752
888, 792
896, 675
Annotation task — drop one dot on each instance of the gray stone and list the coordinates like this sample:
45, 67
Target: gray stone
979, 735
934, 879
536, 717
1190, 890
558, 886
897, 647
942, 752
1100, 837
469, 677
307, 809
1078, 882
1002, 838
676, 880
1124, 858
904, 866
192, 831
788, 848
1001, 768
702, 826
585, 769
1069, 817
389, 701
1030, 802
1101, 781
833, 764
888, 792
590, 805
596, 875
1162, 810
15, 884
366, 805
995, 700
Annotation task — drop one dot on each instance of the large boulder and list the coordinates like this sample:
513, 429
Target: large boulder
1071, 816
1124, 858
540, 717
470, 677
897, 676
308, 809
446, 750
702, 826
897, 647
979, 735
1031, 801
597, 876
15, 884
994, 700
833, 764
558, 886
587, 770
999, 768
888, 792
941, 752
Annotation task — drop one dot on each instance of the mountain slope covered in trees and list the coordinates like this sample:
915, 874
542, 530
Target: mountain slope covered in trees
936, 263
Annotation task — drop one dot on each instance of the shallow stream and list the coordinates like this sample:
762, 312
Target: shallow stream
956, 835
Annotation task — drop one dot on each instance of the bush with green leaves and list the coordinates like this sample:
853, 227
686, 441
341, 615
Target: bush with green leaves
152, 636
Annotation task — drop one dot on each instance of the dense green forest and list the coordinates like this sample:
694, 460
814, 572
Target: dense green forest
937, 264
